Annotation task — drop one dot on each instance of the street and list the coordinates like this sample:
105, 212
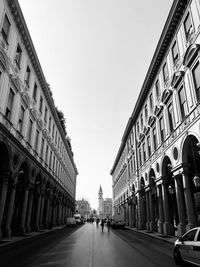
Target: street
88, 246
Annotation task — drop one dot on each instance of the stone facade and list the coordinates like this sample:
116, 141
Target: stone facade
156, 173
37, 170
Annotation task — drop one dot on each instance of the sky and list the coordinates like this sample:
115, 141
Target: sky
95, 55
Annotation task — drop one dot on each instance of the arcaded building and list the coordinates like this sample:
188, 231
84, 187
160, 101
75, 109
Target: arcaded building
37, 168
156, 172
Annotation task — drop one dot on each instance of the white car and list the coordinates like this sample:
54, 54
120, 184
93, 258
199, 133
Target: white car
71, 221
187, 247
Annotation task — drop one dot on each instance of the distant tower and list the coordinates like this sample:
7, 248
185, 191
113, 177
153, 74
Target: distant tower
100, 209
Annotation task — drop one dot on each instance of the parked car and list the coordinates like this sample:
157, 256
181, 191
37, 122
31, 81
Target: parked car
77, 218
187, 247
71, 221
118, 224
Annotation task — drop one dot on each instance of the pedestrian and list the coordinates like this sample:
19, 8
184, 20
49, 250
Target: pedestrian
102, 224
97, 222
108, 225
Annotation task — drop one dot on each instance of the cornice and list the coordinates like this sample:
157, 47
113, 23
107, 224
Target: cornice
25, 35
175, 15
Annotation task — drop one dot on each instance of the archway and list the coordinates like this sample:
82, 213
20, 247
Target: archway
4, 182
36, 203
153, 201
20, 199
191, 162
169, 199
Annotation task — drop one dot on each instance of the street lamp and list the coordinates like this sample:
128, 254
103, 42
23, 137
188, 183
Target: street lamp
171, 190
196, 179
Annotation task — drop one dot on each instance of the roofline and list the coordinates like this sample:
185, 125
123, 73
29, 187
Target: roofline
171, 24
25, 35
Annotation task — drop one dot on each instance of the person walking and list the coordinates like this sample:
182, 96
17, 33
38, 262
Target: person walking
108, 225
102, 224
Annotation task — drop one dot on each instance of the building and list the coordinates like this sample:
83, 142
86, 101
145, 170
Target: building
83, 208
156, 172
105, 205
37, 169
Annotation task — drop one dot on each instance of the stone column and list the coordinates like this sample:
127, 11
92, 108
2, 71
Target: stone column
180, 205
153, 226
189, 202
46, 225
161, 212
168, 228
8, 232
29, 211
38, 211
24, 210
142, 215
41, 212
3, 192
147, 209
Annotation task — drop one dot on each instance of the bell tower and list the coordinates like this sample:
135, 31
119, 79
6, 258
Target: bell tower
100, 209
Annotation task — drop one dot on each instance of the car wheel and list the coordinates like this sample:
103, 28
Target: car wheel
177, 256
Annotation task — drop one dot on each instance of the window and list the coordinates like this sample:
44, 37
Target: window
154, 138
50, 123
182, 102
53, 130
42, 148
27, 75
175, 54
56, 138
157, 85
162, 129
21, 118
50, 159
140, 157
29, 134
188, 26
190, 236
6, 28
35, 92
146, 112
144, 151
149, 145
138, 128
196, 77
45, 114
47, 151
10, 104
141, 120
53, 163
165, 72
41, 104
36, 140
18, 55
171, 118
151, 101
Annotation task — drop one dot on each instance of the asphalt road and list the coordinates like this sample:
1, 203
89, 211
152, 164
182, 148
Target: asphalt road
88, 246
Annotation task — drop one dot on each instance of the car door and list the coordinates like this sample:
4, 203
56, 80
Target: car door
187, 245
196, 249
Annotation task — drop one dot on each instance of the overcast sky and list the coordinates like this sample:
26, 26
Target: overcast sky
95, 55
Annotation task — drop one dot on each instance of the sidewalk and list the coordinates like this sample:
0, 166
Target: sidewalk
165, 238
7, 241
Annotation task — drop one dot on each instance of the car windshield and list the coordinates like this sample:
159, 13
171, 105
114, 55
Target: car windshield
190, 236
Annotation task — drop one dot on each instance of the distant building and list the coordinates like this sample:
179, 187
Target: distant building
83, 207
105, 206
